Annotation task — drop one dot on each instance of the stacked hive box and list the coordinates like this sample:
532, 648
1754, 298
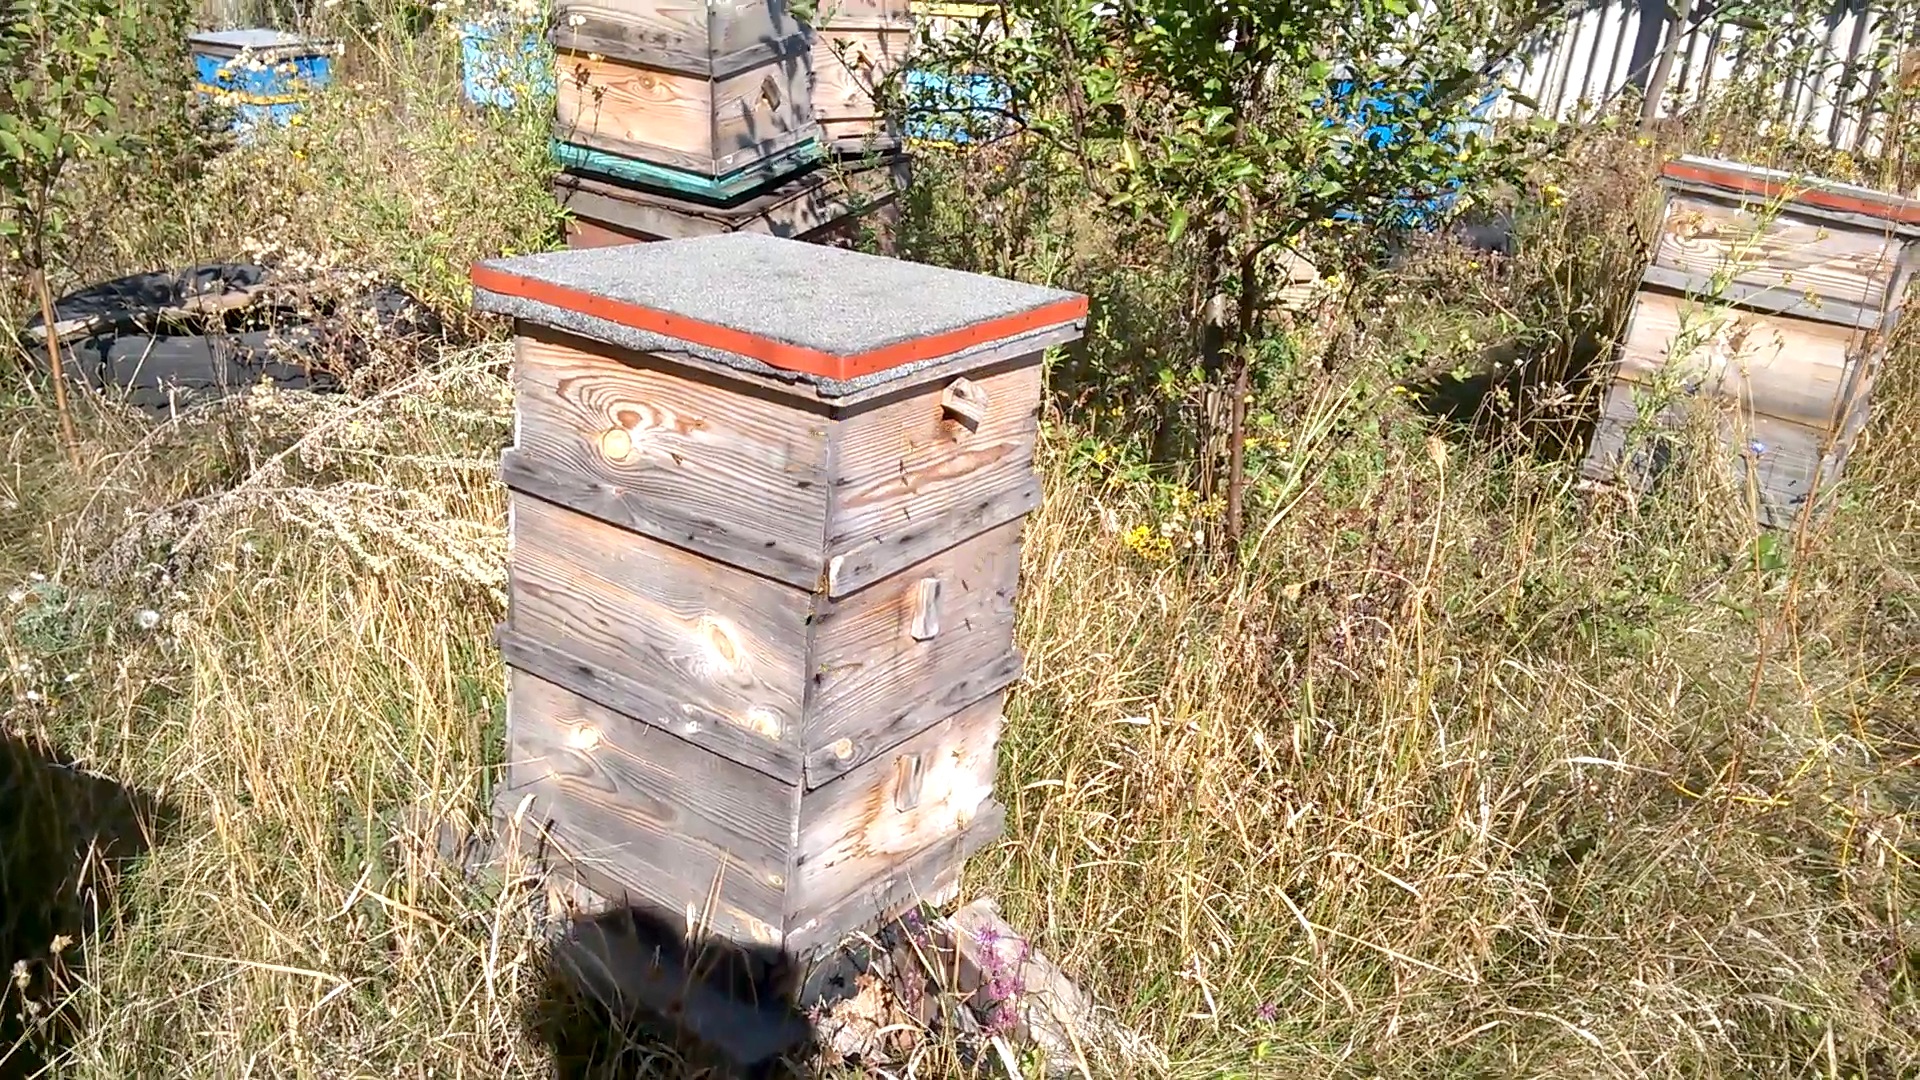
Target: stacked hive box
766, 506
266, 75
677, 118
1769, 298
860, 49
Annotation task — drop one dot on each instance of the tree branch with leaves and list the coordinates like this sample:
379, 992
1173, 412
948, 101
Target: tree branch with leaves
1253, 125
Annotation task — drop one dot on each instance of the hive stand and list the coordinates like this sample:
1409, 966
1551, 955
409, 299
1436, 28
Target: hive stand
1777, 320
690, 96
766, 501
821, 204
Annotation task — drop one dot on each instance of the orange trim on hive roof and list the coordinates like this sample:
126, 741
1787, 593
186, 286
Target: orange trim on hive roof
1904, 211
770, 351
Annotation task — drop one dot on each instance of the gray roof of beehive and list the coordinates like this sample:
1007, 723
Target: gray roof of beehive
230, 42
763, 290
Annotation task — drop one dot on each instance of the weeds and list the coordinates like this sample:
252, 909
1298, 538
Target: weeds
1461, 772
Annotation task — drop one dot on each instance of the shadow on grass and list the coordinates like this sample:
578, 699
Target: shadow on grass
625, 997
1546, 397
64, 835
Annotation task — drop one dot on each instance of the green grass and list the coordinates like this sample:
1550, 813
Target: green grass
1465, 772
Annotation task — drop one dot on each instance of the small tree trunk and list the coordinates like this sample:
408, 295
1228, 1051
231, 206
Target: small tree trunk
1663, 68
53, 361
1213, 359
1250, 302
1237, 451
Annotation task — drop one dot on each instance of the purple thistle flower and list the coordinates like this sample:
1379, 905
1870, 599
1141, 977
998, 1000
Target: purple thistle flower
1268, 1012
987, 936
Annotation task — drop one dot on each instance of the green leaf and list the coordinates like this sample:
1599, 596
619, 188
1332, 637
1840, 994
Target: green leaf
40, 143
10, 143
1178, 226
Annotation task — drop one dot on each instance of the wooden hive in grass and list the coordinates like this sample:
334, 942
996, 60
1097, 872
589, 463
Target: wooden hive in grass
708, 98
1769, 299
766, 506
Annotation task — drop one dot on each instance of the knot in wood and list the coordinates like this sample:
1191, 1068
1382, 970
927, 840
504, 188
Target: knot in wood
616, 444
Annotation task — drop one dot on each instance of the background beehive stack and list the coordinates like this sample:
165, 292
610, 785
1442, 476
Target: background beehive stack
677, 118
766, 511
860, 51
1769, 298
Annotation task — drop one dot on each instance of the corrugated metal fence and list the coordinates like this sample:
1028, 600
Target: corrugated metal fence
1838, 75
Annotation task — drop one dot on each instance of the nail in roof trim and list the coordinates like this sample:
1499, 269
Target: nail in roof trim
813, 310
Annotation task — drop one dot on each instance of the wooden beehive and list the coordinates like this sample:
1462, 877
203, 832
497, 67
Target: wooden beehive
704, 98
766, 506
822, 200
1769, 299
859, 47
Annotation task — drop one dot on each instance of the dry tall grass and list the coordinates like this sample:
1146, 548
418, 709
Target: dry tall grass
1464, 773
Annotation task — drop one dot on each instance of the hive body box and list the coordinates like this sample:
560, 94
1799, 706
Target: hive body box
267, 74
859, 46
1770, 300
695, 96
766, 511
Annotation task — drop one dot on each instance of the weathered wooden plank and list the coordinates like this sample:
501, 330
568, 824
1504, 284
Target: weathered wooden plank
681, 120
911, 479
670, 822
680, 35
1791, 253
1769, 299
921, 792
633, 110
1773, 364
862, 14
876, 681
709, 643
758, 111
668, 453
928, 876
837, 401
850, 67
632, 697
1777, 464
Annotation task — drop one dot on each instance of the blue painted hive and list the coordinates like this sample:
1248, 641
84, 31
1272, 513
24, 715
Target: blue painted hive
267, 75
956, 110
496, 61
1378, 113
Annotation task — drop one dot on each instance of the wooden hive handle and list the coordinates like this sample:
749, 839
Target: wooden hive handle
964, 402
926, 609
770, 93
909, 773
858, 58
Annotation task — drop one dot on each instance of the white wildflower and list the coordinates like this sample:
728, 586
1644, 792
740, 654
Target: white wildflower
147, 618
